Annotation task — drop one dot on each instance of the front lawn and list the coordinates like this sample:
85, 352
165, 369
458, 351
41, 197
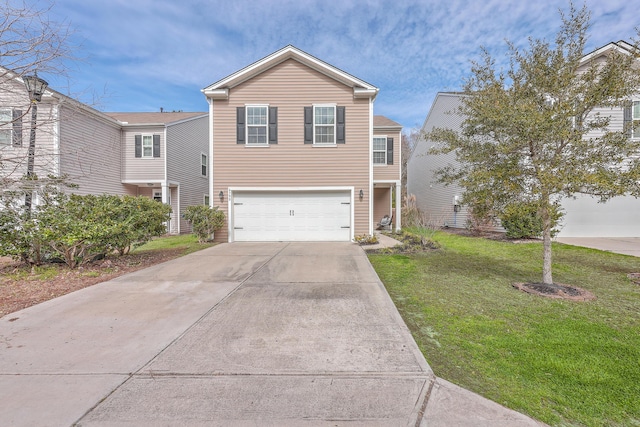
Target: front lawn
564, 363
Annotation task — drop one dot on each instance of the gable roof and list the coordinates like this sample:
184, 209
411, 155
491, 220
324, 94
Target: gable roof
220, 89
385, 122
155, 118
619, 46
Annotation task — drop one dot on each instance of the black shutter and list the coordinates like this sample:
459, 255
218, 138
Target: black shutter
273, 125
308, 125
628, 119
17, 128
240, 122
138, 145
340, 139
389, 151
156, 145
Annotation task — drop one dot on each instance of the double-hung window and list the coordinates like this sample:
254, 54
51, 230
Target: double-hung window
203, 163
10, 126
324, 124
257, 125
257, 121
147, 146
379, 150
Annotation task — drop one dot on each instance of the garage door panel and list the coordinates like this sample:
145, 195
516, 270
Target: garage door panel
292, 216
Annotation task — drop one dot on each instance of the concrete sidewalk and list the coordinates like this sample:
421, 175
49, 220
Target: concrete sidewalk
619, 245
238, 334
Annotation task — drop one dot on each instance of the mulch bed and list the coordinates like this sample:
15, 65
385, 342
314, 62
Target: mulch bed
556, 290
21, 288
635, 278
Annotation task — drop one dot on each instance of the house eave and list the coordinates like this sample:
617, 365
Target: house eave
221, 87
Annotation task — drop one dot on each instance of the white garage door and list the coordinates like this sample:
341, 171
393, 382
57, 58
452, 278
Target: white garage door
292, 216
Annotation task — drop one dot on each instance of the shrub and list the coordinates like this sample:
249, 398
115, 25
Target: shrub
366, 239
521, 220
204, 221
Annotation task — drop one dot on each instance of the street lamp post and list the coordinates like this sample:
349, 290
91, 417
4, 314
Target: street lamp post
35, 87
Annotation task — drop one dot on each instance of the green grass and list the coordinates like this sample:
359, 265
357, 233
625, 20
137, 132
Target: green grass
564, 363
187, 242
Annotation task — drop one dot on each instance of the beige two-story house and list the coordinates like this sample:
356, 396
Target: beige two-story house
298, 154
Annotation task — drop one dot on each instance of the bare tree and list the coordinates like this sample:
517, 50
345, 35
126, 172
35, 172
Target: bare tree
30, 44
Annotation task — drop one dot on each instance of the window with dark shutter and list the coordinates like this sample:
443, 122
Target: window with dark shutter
308, 125
389, 151
17, 128
273, 125
340, 126
156, 145
240, 125
138, 145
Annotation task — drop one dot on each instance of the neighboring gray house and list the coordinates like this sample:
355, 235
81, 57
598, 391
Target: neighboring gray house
584, 216
166, 156
159, 155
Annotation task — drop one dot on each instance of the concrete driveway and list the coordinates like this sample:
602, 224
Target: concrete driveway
238, 334
619, 245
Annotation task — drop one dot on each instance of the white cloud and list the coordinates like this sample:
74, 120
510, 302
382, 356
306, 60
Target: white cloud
410, 49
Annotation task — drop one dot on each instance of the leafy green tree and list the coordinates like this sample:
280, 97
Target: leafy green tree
204, 221
534, 134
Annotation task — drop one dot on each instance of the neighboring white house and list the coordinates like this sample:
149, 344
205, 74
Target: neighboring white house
160, 155
584, 216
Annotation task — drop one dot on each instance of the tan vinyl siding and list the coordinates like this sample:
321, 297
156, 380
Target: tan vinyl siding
186, 142
90, 152
381, 203
291, 86
142, 168
389, 172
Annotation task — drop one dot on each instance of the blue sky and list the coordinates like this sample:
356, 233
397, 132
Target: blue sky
140, 55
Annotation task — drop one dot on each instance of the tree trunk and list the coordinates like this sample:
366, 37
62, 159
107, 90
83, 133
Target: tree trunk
547, 277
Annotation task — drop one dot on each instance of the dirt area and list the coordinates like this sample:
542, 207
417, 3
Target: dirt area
22, 286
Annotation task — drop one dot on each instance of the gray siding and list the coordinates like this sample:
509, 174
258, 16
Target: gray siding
14, 159
143, 168
90, 152
186, 142
435, 200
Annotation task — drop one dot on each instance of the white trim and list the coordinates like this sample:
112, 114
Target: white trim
216, 90
56, 139
374, 151
232, 190
142, 156
610, 46
371, 166
246, 125
206, 156
334, 125
210, 101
